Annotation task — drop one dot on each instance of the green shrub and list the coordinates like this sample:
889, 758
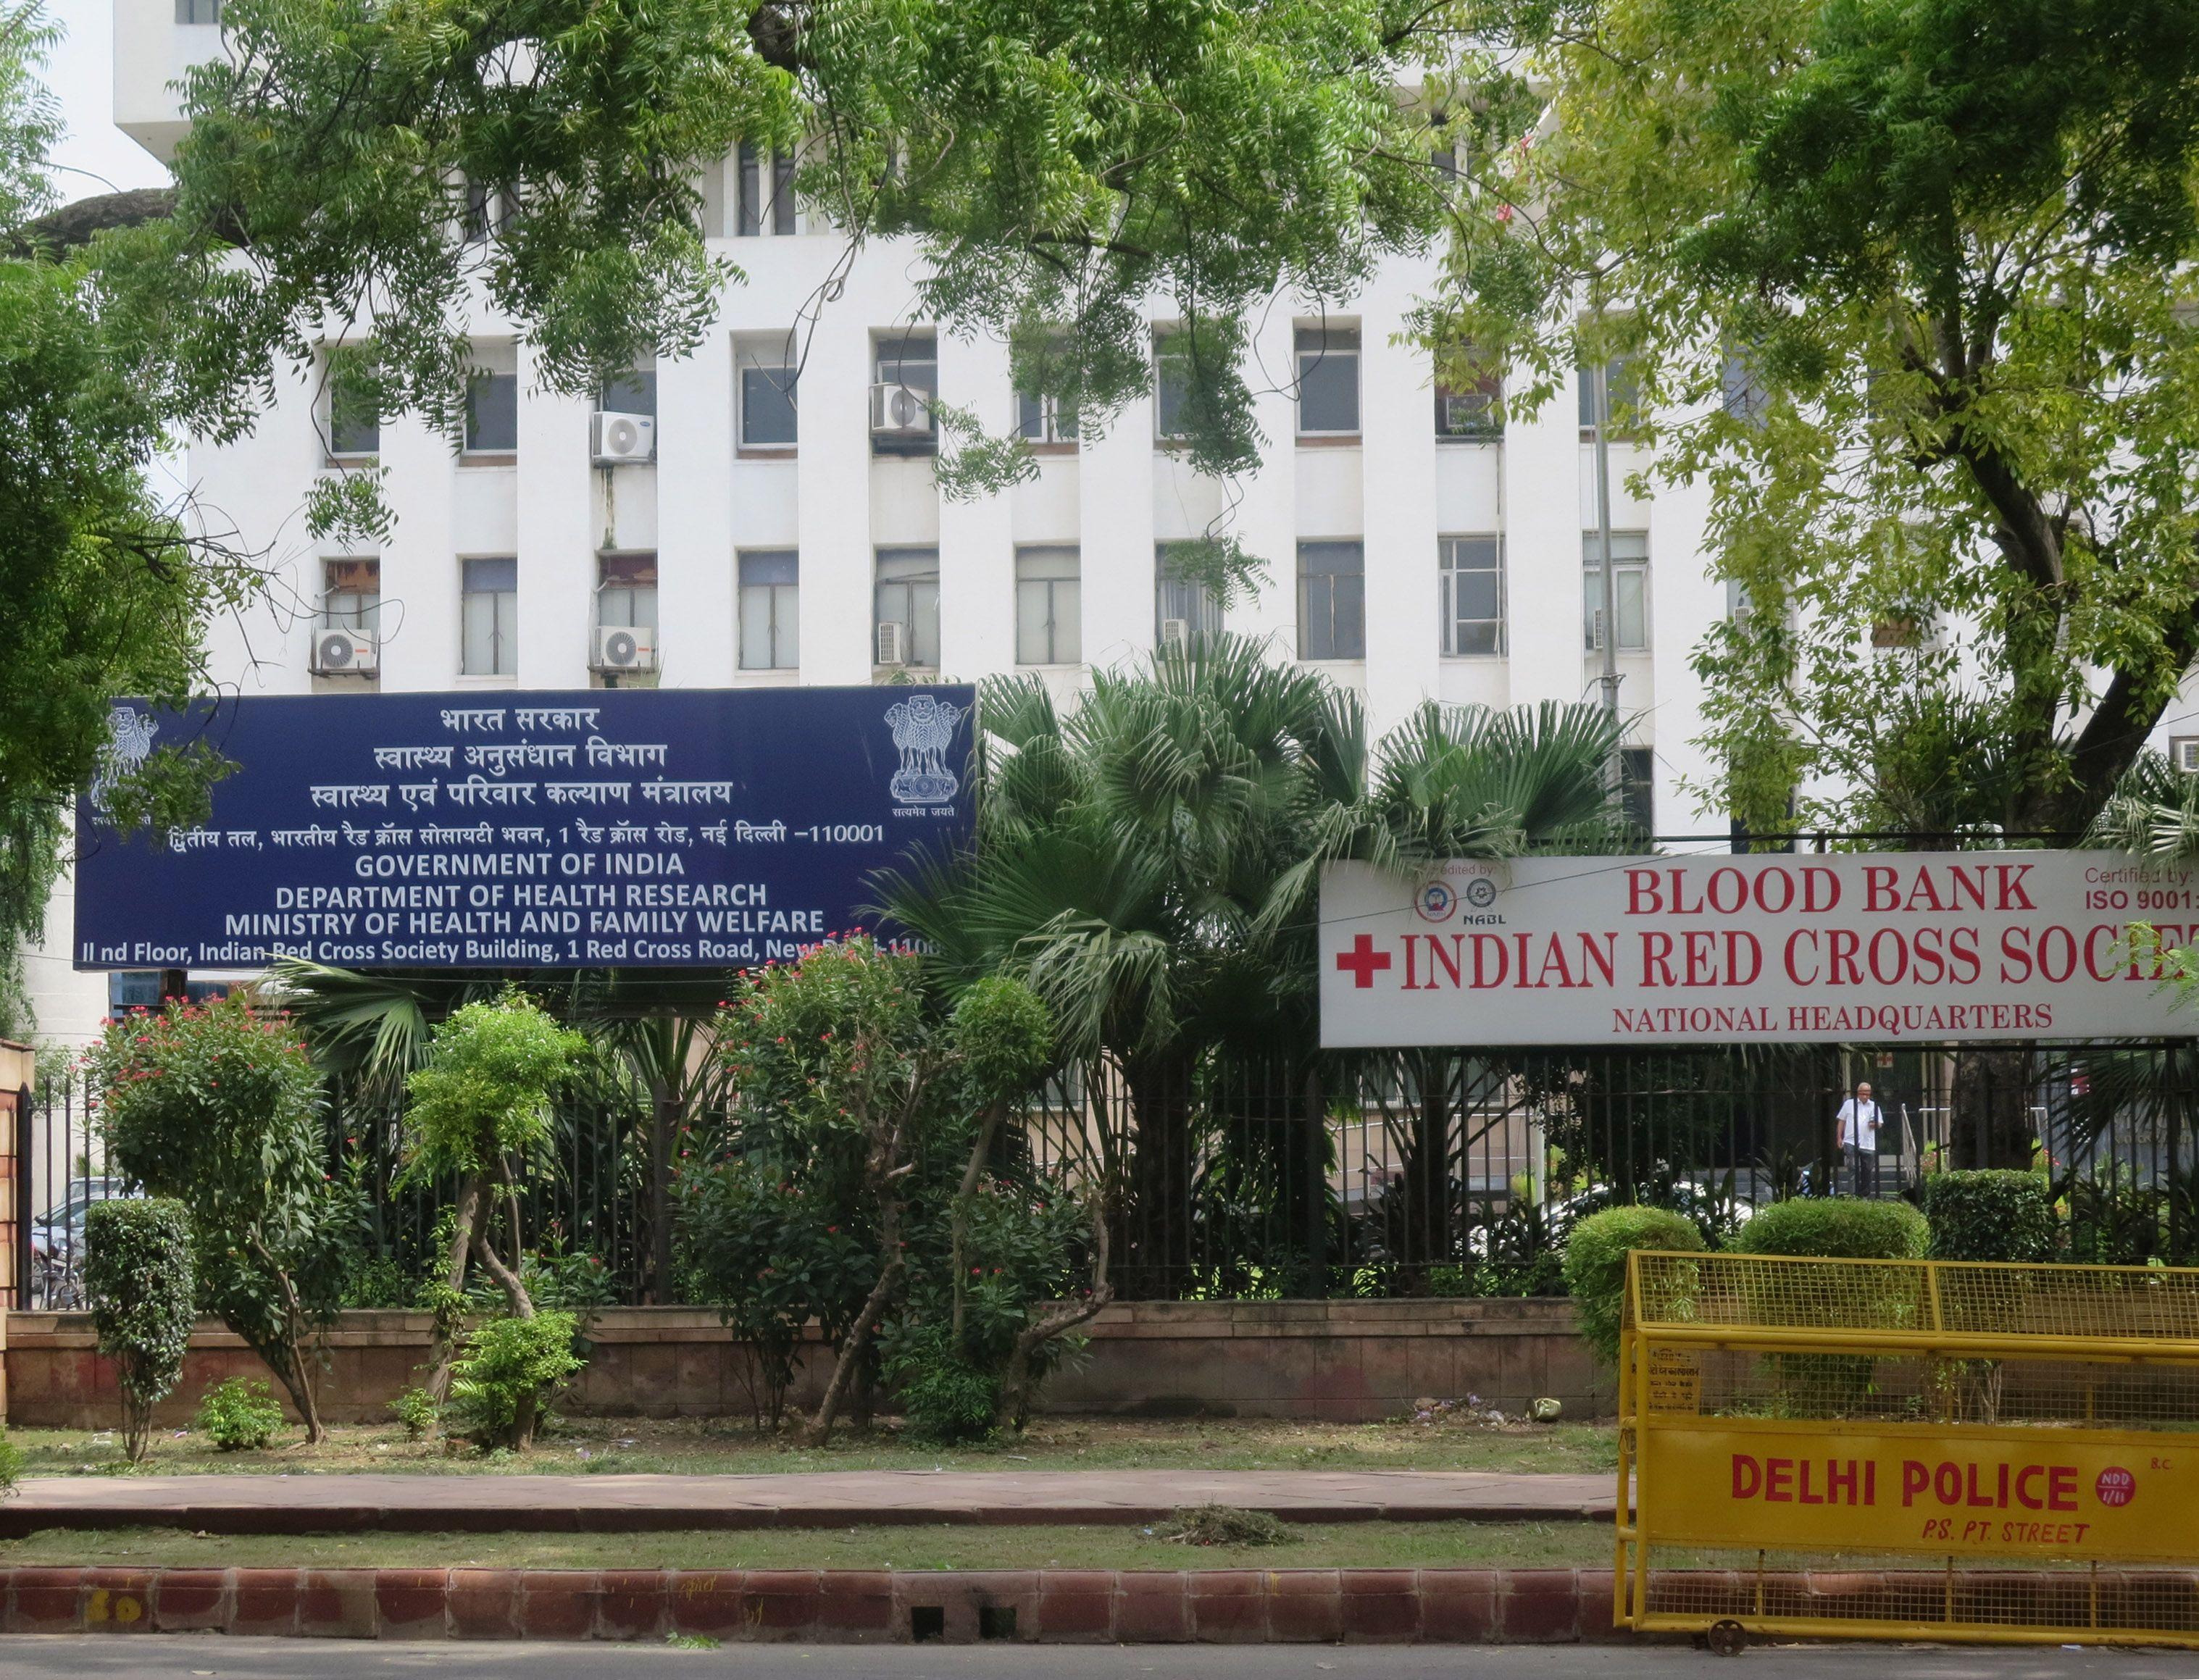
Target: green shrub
1835, 1228
137, 1273
416, 1408
219, 1106
11, 1465
511, 1369
1991, 1216
1595, 1265
238, 1416
945, 1399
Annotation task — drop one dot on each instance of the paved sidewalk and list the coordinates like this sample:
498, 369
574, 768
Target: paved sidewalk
299, 1504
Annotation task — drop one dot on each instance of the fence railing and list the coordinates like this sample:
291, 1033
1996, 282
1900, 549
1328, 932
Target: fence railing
1429, 1171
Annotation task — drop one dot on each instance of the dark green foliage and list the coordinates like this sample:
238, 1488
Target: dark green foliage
511, 1371
219, 1107
1595, 1265
1991, 1216
944, 1396
11, 1465
238, 1415
416, 1408
137, 1276
1835, 1228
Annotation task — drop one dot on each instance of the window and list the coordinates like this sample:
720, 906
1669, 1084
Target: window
198, 11
1049, 608
1186, 599
770, 632
488, 209
767, 419
1328, 381
354, 420
1630, 567
633, 393
1471, 582
1470, 414
626, 592
1171, 386
493, 410
350, 596
753, 209
1623, 393
910, 359
1638, 789
1045, 419
1742, 391
489, 618
908, 595
1331, 600
1738, 603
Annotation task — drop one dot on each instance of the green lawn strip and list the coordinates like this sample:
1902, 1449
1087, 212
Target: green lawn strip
1357, 1545
637, 1446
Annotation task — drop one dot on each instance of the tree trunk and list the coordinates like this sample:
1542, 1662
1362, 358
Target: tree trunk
454, 1279
851, 1347
1421, 1228
289, 1360
1016, 1382
972, 1173
1991, 1124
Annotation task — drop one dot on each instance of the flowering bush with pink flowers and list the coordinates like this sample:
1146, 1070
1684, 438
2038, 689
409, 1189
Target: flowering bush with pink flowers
218, 1105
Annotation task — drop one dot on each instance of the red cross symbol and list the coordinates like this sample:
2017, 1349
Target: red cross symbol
1361, 961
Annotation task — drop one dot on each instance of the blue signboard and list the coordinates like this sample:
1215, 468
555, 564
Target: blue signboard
614, 828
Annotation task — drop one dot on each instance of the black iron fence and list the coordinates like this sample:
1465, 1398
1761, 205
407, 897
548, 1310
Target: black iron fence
1411, 1172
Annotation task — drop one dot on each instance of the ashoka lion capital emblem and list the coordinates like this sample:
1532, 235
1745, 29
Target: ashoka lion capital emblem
129, 735
924, 729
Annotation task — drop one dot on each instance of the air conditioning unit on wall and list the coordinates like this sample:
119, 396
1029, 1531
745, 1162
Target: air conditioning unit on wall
1175, 635
614, 438
893, 643
345, 653
900, 411
621, 647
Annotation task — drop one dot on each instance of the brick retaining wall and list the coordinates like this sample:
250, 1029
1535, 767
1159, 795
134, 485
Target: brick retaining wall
1349, 1361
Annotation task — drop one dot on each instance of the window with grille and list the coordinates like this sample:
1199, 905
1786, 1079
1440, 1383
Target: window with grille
1470, 578
1331, 600
489, 617
1049, 607
908, 595
1629, 562
771, 639
350, 596
1328, 381
626, 592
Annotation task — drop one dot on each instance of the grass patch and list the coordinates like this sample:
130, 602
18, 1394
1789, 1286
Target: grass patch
690, 1447
1357, 1545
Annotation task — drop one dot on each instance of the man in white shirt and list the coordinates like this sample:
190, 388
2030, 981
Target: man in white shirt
1859, 1120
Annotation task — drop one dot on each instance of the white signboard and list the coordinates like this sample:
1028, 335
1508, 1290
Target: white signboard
1725, 949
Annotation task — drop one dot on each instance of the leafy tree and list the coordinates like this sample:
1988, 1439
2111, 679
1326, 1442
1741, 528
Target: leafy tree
480, 1104
219, 1106
1059, 168
842, 1191
1903, 280
137, 1276
101, 591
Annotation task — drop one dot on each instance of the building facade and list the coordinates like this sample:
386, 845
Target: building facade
711, 522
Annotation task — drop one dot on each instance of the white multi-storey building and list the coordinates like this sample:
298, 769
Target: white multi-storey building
705, 524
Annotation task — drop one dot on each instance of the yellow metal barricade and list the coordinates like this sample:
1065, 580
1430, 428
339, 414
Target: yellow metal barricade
1910, 1449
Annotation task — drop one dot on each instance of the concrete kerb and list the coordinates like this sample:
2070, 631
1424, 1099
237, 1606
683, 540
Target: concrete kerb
954, 1607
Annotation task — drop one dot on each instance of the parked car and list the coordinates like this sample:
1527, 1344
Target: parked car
57, 1243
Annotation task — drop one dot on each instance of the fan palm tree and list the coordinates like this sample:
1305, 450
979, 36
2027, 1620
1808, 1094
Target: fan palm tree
1148, 863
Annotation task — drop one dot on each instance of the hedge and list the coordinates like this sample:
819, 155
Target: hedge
1998, 1215
137, 1273
1595, 1265
1835, 1228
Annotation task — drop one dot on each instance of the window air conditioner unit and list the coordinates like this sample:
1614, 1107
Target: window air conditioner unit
893, 642
345, 653
900, 411
1595, 630
2185, 753
613, 437
1175, 635
620, 647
